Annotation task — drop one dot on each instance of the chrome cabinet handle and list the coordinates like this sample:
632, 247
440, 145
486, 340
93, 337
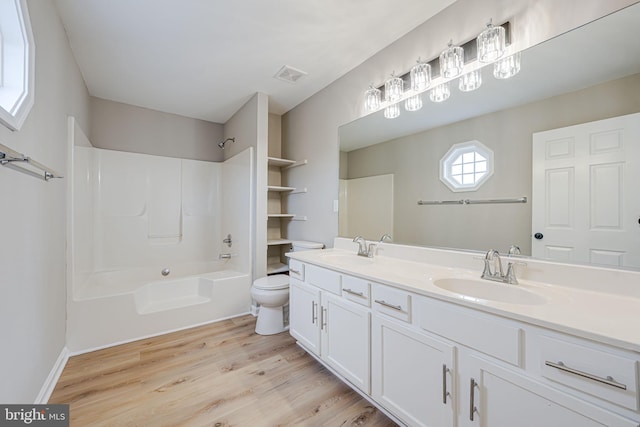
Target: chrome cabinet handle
314, 312
608, 380
445, 393
323, 318
386, 304
349, 291
472, 404
291, 270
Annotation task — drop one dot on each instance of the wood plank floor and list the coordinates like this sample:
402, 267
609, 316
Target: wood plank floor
222, 374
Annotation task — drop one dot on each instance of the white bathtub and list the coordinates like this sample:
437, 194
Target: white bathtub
114, 307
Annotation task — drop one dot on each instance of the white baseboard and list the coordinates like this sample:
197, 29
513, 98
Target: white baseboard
52, 379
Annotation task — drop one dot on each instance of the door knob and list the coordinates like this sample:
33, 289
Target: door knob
538, 236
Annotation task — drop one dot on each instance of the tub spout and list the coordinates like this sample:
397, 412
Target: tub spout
224, 256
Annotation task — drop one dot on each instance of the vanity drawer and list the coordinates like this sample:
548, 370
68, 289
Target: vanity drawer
296, 269
392, 302
591, 368
323, 278
356, 290
483, 332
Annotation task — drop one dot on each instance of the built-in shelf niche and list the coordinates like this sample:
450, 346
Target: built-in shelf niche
277, 243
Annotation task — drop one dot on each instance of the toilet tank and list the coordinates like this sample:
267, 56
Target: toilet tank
301, 245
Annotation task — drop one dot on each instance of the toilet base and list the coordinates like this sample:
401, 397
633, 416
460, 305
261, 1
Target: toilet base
271, 321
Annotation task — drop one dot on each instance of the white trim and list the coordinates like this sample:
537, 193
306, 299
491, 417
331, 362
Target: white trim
52, 379
14, 113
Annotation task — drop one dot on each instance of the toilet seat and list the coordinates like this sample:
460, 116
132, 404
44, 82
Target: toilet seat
275, 282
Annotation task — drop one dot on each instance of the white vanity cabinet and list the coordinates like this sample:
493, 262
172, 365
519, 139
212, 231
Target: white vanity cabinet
498, 382
412, 373
496, 395
334, 327
429, 362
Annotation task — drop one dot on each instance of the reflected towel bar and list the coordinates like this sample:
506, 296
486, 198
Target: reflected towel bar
471, 201
13, 159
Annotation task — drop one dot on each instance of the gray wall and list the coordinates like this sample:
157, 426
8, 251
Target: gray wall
249, 125
125, 127
33, 216
415, 161
310, 131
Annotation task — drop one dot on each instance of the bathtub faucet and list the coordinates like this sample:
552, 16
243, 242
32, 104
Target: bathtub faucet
165, 271
224, 256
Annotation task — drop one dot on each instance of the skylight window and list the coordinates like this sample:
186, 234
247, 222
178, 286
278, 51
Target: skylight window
17, 54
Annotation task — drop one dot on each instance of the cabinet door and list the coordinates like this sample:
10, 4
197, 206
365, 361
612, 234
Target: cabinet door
346, 332
501, 397
304, 314
412, 374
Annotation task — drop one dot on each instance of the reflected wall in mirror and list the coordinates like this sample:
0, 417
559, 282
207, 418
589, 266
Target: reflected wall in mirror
588, 74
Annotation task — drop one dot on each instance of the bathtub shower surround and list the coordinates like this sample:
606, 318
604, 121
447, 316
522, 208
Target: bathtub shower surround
147, 235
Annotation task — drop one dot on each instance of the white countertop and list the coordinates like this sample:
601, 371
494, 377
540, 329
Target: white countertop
609, 318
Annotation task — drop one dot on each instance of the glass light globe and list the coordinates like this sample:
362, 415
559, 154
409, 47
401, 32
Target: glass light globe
451, 61
491, 43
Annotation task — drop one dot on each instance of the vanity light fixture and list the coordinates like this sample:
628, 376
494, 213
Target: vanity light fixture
393, 88
372, 99
451, 61
490, 46
507, 67
470, 81
420, 76
413, 103
491, 43
392, 111
440, 93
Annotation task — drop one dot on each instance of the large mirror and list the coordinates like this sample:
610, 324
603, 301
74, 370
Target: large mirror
386, 166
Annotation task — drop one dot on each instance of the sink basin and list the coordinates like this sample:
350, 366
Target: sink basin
347, 259
489, 291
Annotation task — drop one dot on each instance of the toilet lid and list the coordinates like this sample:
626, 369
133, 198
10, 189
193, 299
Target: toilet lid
277, 281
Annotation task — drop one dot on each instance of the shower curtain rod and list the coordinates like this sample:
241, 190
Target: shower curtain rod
13, 159
471, 201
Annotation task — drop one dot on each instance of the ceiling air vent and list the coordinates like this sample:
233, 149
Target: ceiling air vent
289, 74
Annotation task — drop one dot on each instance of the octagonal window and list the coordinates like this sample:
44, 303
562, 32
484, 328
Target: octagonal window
16, 63
466, 166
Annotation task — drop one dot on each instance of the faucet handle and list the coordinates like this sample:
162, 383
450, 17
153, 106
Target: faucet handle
372, 250
386, 237
510, 277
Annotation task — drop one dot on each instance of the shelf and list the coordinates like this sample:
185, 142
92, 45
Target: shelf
275, 161
280, 215
277, 268
276, 242
279, 189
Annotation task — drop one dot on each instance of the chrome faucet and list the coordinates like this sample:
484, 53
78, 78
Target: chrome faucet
385, 237
495, 273
362, 246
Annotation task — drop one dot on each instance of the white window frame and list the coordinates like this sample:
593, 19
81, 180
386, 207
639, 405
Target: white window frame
447, 165
17, 63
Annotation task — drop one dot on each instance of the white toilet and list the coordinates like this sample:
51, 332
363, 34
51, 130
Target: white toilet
272, 294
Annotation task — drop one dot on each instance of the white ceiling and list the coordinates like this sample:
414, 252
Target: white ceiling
206, 58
